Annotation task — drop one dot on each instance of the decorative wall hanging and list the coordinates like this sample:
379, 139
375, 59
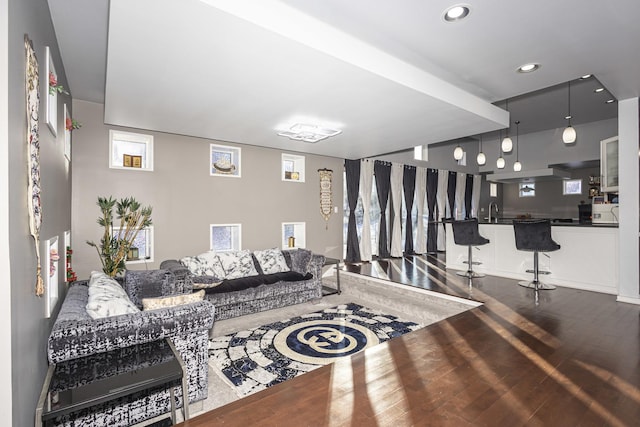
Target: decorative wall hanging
33, 143
326, 203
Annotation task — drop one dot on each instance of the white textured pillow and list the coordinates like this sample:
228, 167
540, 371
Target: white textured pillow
205, 264
237, 264
271, 261
213, 261
107, 298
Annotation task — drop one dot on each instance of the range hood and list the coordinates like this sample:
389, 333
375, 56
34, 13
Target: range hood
546, 174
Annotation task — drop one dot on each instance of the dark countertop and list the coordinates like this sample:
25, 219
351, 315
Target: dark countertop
554, 223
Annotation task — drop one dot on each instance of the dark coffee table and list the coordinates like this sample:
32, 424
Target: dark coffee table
98, 379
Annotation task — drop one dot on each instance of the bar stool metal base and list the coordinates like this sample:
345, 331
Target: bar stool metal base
470, 274
537, 286
535, 283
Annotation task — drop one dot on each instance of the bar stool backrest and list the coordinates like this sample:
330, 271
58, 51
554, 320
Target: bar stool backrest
534, 235
466, 233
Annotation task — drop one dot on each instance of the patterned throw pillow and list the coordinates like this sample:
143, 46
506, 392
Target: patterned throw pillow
107, 298
205, 264
271, 261
171, 301
237, 264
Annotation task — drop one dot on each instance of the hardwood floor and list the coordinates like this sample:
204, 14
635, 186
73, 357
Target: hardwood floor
572, 359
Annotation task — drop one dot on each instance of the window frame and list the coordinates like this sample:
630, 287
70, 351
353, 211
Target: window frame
117, 136
564, 187
148, 232
238, 230
299, 232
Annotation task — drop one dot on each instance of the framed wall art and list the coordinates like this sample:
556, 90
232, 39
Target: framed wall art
52, 93
51, 258
67, 134
224, 161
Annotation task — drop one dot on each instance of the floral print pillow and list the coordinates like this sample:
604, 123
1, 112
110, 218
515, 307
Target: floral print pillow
271, 261
237, 264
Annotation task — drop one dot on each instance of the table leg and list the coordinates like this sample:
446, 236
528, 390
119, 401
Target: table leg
173, 405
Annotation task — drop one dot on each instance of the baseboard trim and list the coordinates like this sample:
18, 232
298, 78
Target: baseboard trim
628, 300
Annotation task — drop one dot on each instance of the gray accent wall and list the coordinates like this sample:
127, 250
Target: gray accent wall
29, 327
186, 199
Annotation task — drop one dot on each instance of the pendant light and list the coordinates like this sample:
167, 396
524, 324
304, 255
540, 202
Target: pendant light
569, 134
517, 166
458, 153
507, 143
500, 162
481, 159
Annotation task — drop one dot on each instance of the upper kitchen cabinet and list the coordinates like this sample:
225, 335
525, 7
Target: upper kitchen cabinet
609, 164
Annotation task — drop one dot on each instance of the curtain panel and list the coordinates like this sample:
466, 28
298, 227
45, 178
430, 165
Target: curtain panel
461, 182
382, 171
468, 191
352, 173
441, 195
420, 194
475, 196
409, 186
432, 190
366, 185
396, 200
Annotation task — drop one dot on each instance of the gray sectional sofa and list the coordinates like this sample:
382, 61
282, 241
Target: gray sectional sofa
251, 294
75, 334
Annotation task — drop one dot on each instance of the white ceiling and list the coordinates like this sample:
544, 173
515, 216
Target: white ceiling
390, 75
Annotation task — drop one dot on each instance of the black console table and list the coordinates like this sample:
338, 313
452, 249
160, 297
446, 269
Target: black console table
97, 379
325, 289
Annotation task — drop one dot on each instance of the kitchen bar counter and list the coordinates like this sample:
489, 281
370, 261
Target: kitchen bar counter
588, 257
509, 221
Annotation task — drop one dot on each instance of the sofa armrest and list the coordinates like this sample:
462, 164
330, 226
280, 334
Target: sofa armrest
141, 284
75, 334
182, 275
315, 266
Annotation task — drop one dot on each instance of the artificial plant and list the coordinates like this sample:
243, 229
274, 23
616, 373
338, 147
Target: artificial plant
114, 247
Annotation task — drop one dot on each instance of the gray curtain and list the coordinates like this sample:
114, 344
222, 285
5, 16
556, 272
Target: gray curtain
451, 193
352, 172
432, 189
382, 171
475, 196
441, 200
461, 182
409, 185
366, 184
395, 248
468, 191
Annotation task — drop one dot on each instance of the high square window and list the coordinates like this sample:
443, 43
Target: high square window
226, 237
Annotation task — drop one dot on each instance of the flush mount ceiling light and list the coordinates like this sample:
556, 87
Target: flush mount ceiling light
569, 134
610, 101
507, 143
456, 13
528, 68
585, 77
308, 133
458, 153
598, 90
517, 166
481, 159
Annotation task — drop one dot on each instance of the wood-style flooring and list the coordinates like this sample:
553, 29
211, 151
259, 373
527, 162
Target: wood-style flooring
571, 359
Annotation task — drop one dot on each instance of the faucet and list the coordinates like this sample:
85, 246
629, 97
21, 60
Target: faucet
496, 205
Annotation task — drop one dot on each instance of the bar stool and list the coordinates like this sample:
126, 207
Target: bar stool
465, 233
535, 236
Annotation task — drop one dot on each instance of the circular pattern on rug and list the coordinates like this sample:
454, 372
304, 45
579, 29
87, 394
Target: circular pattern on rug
322, 341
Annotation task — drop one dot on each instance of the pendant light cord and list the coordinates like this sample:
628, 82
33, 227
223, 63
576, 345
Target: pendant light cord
569, 99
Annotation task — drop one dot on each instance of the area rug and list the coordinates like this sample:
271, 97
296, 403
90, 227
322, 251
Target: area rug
258, 358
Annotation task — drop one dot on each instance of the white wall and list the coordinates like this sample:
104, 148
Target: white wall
6, 391
628, 116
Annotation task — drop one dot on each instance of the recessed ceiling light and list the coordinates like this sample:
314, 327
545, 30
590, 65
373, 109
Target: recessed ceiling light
456, 13
610, 101
600, 89
585, 77
528, 68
